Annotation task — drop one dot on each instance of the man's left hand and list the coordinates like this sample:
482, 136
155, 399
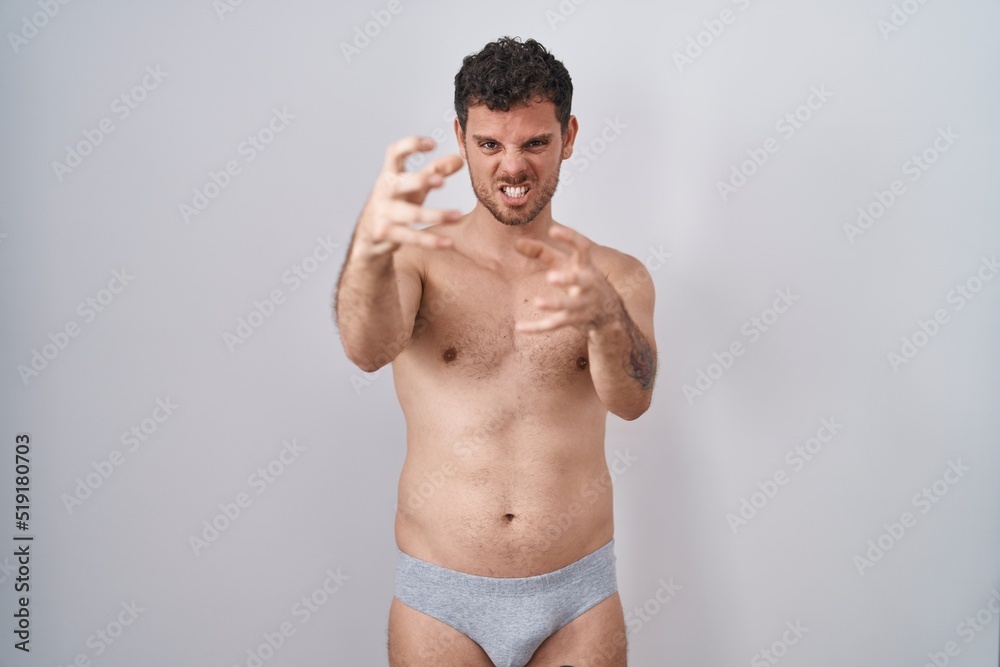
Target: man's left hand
587, 301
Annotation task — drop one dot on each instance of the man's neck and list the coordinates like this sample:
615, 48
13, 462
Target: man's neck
495, 239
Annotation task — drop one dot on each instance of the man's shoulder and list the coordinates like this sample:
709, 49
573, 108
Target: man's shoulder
627, 274
615, 263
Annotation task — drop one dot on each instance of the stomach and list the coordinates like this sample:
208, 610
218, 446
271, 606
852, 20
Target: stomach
503, 486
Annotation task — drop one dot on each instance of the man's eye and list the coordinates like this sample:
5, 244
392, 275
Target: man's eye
489, 145
538, 142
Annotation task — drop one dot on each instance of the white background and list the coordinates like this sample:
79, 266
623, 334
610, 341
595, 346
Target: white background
651, 191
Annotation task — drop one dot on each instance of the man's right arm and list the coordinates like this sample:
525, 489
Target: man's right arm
376, 305
379, 289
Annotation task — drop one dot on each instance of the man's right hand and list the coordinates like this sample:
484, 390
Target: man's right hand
396, 202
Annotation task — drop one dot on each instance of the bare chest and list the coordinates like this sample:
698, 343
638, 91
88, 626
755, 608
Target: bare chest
466, 327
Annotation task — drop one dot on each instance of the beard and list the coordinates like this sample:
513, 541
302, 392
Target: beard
520, 215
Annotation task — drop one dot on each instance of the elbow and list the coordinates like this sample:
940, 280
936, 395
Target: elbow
366, 365
364, 361
371, 357
636, 408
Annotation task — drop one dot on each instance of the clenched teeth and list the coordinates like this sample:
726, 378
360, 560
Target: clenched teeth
515, 193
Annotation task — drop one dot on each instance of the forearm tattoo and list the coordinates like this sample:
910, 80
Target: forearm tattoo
638, 362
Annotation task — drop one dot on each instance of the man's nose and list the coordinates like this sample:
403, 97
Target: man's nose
513, 164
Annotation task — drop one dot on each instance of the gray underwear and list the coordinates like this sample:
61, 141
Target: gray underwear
509, 617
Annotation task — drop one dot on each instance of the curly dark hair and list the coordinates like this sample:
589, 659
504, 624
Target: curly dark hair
509, 72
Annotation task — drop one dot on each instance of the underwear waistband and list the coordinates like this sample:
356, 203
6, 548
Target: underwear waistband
593, 564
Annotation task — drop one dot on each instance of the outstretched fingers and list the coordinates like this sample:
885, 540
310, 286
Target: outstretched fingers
580, 247
416, 237
541, 251
571, 269
405, 184
398, 216
552, 322
401, 212
445, 165
398, 151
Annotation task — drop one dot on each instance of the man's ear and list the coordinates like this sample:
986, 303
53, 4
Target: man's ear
572, 127
460, 138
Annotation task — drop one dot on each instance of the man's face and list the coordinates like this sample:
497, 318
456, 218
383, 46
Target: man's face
514, 158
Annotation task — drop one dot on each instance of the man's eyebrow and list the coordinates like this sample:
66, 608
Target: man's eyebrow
480, 138
541, 137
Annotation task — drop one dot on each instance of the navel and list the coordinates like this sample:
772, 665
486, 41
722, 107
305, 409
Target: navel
509, 517
449, 354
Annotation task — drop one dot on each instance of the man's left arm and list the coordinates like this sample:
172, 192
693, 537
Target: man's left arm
613, 307
620, 343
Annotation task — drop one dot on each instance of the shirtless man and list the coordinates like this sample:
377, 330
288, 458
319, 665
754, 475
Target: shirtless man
511, 338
